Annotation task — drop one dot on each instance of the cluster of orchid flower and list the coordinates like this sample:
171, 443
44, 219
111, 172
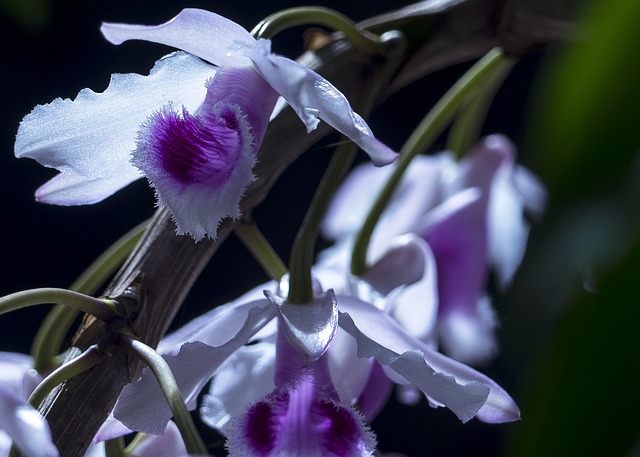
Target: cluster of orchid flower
286, 375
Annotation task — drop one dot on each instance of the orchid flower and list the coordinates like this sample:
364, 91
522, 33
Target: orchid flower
330, 324
470, 213
19, 421
193, 127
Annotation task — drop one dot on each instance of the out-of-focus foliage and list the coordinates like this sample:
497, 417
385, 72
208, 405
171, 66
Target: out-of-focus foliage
582, 281
31, 14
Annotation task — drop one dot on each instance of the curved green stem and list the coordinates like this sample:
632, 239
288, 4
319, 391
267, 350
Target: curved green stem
262, 251
170, 389
88, 359
466, 128
56, 325
423, 136
86, 303
300, 285
115, 447
292, 17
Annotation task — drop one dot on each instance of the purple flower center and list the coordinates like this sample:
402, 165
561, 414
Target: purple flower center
194, 149
300, 421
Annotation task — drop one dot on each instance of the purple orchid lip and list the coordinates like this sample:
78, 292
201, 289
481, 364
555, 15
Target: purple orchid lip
302, 415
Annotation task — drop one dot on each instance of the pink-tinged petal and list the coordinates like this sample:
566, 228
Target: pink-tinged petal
202, 33
349, 373
515, 191
310, 327
418, 192
459, 387
17, 373
404, 263
532, 190
465, 400
71, 189
142, 406
353, 200
469, 336
94, 135
375, 394
415, 307
242, 379
312, 97
26, 427
247, 89
217, 326
111, 428
456, 231
200, 164
169, 444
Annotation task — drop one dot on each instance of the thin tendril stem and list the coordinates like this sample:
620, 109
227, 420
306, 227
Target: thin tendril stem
300, 285
171, 391
272, 25
422, 137
53, 330
88, 359
262, 251
86, 303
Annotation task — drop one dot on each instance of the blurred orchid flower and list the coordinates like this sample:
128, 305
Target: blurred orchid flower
20, 423
193, 129
472, 215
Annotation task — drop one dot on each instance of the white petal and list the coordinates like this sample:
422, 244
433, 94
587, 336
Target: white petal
404, 263
415, 307
465, 400
312, 97
93, 135
202, 33
142, 406
169, 444
71, 189
470, 337
25, 425
353, 200
309, 327
348, 372
215, 327
241, 380
17, 373
454, 384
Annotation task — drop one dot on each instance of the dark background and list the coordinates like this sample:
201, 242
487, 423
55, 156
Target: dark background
46, 246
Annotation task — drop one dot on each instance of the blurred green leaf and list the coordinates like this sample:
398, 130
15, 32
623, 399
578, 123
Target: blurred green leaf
31, 14
587, 118
585, 394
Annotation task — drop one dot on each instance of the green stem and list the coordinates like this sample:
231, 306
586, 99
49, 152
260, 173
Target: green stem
171, 391
292, 17
86, 303
262, 251
56, 325
300, 285
88, 359
466, 128
115, 447
423, 136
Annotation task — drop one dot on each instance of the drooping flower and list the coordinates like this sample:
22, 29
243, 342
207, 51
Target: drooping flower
353, 333
20, 423
472, 215
194, 129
